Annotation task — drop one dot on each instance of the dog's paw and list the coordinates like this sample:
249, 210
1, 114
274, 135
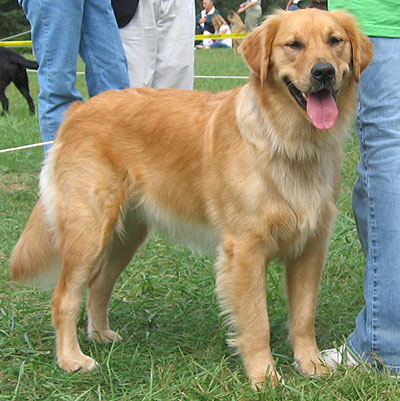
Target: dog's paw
81, 363
104, 336
311, 368
257, 383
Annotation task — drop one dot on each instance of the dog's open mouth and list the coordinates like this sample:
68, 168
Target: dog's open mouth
320, 106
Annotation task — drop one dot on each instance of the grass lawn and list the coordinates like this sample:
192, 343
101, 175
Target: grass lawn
164, 304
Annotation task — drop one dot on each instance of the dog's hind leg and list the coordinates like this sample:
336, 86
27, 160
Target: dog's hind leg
3, 100
21, 82
86, 226
74, 277
117, 256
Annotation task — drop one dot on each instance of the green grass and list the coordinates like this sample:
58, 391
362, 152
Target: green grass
164, 304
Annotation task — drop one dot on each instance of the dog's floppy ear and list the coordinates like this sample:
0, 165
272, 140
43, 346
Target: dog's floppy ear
361, 46
256, 47
362, 56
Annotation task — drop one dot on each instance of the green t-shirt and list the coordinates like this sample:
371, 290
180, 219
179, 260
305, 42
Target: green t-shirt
375, 17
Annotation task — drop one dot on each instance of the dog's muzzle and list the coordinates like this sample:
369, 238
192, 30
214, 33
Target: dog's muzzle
320, 101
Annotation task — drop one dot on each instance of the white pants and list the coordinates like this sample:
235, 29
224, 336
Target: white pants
159, 44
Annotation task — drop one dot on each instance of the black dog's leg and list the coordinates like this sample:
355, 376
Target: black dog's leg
21, 82
3, 100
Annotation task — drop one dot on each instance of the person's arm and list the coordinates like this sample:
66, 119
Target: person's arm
201, 18
247, 5
223, 29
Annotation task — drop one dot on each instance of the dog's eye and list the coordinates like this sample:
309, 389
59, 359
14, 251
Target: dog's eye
334, 41
295, 45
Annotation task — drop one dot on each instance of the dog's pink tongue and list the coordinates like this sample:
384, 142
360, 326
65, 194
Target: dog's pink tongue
322, 110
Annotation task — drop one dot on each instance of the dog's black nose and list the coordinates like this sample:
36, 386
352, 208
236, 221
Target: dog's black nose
323, 72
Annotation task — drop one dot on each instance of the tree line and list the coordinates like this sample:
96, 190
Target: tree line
12, 19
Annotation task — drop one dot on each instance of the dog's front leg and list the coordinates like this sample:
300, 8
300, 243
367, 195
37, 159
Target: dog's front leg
302, 280
241, 287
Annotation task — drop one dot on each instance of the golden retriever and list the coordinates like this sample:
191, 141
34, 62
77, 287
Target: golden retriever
237, 26
252, 173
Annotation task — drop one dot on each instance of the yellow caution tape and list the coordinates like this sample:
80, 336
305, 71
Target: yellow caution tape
223, 36
17, 43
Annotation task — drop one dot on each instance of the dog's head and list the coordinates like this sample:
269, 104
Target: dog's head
231, 16
313, 54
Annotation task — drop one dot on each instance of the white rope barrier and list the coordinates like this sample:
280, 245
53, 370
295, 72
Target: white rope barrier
32, 145
220, 77
14, 36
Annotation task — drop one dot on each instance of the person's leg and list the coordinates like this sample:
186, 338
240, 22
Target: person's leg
252, 18
139, 39
376, 203
101, 48
55, 34
175, 52
219, 45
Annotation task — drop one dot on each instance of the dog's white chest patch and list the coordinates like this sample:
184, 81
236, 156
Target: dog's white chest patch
198, 237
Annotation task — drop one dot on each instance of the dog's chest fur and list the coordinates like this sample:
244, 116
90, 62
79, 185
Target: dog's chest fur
283, 206
289, 189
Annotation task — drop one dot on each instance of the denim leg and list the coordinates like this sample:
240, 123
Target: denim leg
101, 48
60, 31
55, 33
376, 204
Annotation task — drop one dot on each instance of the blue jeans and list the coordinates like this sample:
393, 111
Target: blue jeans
62, 30
376, 204
219, 45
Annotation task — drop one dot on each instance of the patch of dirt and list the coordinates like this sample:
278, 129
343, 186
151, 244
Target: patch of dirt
14, 182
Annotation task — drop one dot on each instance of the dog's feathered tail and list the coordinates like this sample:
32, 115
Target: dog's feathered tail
18, 59
34, 259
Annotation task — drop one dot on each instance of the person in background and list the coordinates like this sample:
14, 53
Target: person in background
62, 30
158, 37
252, 10
320, 4
204, 19
376, 195
221, 27
293, 5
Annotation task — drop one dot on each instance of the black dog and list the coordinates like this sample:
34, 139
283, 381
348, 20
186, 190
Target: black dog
13, 69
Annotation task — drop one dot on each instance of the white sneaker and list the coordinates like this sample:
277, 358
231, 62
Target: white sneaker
335, 357
338, 356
